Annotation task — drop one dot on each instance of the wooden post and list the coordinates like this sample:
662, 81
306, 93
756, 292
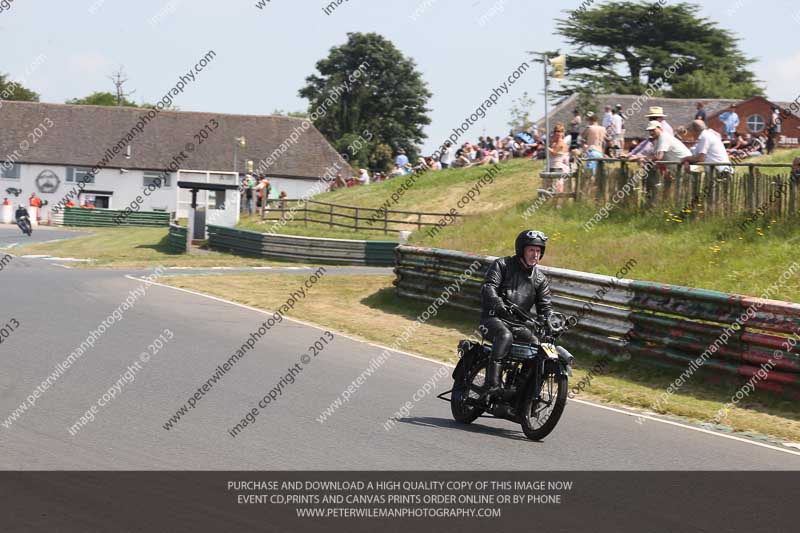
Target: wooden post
305, 214
330, 222
419, 221
356, 227
385, 221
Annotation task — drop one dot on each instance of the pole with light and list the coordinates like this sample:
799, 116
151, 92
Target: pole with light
559, 64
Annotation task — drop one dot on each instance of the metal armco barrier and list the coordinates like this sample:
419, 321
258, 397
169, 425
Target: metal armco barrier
176, 240
76, 216
301, 249
637, 320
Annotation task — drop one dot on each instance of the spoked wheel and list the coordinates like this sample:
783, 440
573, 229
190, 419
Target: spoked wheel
465, 411
540, 416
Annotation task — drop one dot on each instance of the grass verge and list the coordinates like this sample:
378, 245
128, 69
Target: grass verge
367, 307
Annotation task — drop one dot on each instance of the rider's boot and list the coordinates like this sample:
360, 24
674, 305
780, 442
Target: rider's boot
492, 383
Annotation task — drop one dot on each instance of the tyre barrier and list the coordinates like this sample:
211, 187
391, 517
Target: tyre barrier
176, 240
626, 319
82, 217
301, 249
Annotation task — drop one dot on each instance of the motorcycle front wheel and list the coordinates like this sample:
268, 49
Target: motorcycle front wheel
541, 412
463, 388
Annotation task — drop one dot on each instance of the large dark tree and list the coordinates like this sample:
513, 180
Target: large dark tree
11, 90
623, 47
383, 107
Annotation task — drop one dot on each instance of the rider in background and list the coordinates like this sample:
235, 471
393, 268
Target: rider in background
21, 213
517, 279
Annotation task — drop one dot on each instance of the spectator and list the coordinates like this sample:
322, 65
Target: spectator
731, 121
69, 203
6, 201
643, 150
401, 160
559, 151
249, 183
464, 159
773, 128
595, 136
701, 112
433, 164
363, 177
34, 200
617, 132
796, 169
657, 113
263, 189
709, 148
667, 147
575, 130
282, 200
607, 117
448, 156
339, 182
481, 142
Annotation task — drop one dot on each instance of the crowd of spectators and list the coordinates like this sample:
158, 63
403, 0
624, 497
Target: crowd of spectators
591, 137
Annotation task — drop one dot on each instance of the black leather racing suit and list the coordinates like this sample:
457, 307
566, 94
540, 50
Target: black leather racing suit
529, 290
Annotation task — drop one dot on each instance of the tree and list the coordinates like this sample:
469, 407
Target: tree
102, 98
381, 97
521, 113
623, 47
12, 90
712, 84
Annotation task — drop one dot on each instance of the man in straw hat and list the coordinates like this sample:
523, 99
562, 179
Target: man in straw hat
657, 113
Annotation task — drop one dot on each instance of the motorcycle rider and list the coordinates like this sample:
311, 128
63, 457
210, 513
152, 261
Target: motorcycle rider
19, 215
519, 279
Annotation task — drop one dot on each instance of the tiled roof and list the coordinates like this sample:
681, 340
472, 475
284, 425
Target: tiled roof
81, 135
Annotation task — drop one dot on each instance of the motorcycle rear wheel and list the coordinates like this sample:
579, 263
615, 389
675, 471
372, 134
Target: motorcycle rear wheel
467, 414
539, 417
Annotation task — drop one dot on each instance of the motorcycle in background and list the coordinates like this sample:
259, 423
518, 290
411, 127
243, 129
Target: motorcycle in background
24, 224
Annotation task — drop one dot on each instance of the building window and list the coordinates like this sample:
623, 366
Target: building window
153, 178
9, 171
755, 123
79, 175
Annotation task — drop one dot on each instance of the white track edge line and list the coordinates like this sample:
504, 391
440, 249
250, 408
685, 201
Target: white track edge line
417, 356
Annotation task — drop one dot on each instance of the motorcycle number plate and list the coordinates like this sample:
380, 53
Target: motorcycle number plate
550, 351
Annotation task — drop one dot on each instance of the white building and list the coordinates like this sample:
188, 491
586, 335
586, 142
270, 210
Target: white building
114, 153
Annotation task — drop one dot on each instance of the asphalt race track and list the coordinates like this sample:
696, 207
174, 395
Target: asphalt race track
11, 236
56, 308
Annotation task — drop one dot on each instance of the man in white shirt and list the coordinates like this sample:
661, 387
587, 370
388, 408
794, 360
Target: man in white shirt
668, 148
363, 177
709, 148
607, 118
448, 156
616, 132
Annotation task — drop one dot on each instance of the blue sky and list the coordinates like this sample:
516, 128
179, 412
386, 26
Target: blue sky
463, 49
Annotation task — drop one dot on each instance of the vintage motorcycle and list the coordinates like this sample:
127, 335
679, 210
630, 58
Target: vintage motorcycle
534, 378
